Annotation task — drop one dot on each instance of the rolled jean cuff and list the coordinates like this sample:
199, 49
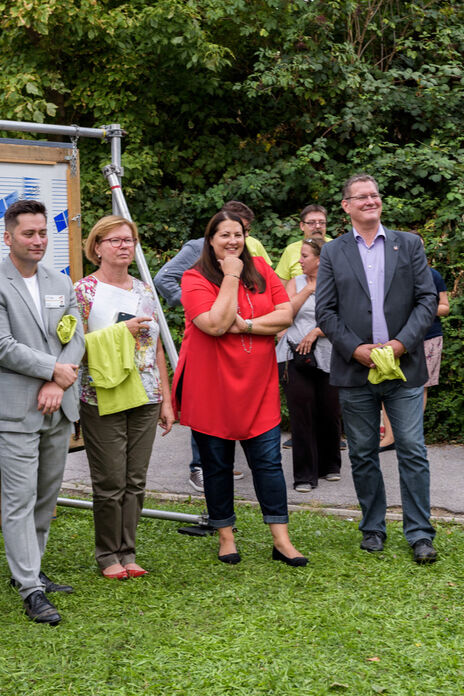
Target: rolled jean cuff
420, 535
275, 519
217, 524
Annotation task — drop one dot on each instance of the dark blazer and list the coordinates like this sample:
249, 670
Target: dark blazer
344, 310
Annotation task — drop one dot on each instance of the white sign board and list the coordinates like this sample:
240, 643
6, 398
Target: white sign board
43, 173
48, 185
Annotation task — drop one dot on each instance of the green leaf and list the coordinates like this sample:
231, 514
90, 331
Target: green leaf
31, 88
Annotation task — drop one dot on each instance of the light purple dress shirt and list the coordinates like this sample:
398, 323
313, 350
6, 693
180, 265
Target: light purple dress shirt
373, 261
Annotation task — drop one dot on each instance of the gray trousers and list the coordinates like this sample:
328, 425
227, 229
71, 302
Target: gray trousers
118, 448
31, 466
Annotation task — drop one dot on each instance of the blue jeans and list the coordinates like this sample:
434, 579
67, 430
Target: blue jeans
264, 459
361, 415
196, 461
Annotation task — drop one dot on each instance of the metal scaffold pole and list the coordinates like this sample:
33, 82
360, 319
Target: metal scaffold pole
146, 512
110, 171
51, 129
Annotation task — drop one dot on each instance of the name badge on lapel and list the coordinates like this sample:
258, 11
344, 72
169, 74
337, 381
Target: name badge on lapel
54, 301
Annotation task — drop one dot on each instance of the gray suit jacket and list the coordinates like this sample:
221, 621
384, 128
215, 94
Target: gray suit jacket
344, 310
167, 280
29, 350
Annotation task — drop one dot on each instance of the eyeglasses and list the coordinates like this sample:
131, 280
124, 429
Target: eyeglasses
315, 223
374, 196
117, 242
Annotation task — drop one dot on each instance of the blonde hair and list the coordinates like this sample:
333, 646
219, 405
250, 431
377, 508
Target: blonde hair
99, 232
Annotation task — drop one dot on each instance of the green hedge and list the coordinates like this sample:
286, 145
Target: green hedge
269, 101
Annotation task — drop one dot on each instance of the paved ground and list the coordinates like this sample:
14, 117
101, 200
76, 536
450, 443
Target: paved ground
168, 477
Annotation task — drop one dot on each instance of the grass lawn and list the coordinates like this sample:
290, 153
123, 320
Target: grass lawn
348, 623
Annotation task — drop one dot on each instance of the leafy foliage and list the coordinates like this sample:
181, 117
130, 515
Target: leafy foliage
272, 102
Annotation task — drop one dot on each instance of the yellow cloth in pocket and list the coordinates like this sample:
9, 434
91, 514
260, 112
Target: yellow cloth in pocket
66, 328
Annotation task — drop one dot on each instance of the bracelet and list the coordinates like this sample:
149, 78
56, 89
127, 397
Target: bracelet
249, 324
234, 275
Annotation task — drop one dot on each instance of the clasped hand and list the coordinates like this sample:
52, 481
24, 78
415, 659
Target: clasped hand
363, 352
49, 398
239, 325
65, 374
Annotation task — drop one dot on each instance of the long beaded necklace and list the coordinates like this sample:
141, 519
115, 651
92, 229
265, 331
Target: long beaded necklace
250, 337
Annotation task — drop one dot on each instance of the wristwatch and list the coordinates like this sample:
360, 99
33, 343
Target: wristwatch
249, 324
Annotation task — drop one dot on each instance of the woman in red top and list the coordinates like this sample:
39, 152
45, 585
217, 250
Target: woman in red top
226, 382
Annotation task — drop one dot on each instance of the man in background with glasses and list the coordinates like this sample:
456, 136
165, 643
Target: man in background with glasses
374, 288
313, 223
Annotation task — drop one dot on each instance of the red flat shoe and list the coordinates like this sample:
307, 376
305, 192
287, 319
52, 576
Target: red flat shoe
119, 575
136, 572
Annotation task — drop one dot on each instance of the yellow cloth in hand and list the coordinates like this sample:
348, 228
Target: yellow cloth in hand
386, 366
66, 328
117, 381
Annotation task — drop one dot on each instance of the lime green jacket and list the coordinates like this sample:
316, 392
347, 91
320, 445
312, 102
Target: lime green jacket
110, 357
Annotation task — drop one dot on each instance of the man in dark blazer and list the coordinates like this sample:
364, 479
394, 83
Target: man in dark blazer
374, 288
38, 400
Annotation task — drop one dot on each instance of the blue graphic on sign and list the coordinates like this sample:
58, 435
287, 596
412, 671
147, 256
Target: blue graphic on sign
61, 221
66, 271
31, 188
7, 201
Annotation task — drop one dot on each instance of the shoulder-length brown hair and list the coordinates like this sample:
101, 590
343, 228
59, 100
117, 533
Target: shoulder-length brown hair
208, 264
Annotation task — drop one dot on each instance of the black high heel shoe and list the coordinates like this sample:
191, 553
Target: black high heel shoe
232, 558
294, 562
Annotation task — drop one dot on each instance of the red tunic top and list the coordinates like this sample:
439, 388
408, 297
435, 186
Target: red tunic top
226, 391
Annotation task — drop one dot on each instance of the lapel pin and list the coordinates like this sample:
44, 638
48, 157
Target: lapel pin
395, 248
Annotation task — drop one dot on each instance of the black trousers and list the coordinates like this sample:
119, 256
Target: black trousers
314, 422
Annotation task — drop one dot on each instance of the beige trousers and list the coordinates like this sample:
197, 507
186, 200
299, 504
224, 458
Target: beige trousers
118, 448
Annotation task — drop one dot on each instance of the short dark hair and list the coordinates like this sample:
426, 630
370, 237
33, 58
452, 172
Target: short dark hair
208, 264
22, 207
240, 209
313, 208
353, 180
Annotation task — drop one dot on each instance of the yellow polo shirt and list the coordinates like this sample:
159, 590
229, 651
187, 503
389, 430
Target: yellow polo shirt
289, 264
255, 248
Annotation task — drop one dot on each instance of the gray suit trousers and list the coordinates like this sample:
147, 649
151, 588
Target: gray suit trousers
31, 466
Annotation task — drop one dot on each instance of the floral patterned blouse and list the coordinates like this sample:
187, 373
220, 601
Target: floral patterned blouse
145, 343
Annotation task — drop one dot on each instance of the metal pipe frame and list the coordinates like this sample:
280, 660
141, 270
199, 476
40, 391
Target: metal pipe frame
202, 520
110, 172
50, 129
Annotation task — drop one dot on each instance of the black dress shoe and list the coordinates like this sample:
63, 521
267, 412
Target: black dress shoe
50, 586
424, 551
294, 562
372, 541
232, 558
387, 448
40, 609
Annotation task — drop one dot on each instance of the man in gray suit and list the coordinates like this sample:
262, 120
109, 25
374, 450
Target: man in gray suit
38, 400
374, 288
